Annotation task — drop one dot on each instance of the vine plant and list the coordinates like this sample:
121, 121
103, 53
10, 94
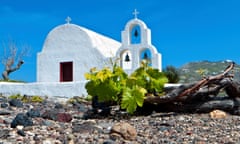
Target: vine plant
114, 85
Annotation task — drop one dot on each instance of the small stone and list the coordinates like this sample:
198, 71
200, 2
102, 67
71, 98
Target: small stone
4, 105
28, 128
21, 133
163, 128
218, 114
7, 120
16, 103
64, 117
5, 112
36, 138
47, 123
115, 136
19, 139
58, 106
79, 115
109, 142
30, 133
50, 114
86, 127
181, 118
124, 129
29, 106
82, 108
70, 137
48, 141
21, 119
71, 142
33, 113
1, 121
58, 142
4, 133
19, 127
3, 99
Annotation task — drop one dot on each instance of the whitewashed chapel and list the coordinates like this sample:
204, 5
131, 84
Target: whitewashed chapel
70, 51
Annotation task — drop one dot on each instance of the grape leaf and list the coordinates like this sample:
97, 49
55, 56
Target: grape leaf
133, 98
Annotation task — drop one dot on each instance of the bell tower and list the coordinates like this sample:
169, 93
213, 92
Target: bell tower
137, 46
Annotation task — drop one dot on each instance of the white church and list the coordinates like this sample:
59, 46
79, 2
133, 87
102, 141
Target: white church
70, 51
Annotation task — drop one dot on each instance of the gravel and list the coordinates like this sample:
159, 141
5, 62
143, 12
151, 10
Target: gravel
87, 127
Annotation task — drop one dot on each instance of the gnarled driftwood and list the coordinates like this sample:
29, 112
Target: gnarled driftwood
202, 96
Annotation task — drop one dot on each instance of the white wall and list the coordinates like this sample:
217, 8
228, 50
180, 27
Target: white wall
67, 89
72, 43
54, 91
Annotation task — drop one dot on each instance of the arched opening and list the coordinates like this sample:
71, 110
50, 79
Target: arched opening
146, 55
126, 60
135, 35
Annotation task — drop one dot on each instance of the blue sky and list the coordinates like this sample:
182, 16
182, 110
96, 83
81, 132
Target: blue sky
182, 30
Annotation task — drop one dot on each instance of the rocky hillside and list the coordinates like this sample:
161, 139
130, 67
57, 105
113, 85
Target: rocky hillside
194, 71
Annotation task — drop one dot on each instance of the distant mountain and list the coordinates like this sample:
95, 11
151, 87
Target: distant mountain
194, 71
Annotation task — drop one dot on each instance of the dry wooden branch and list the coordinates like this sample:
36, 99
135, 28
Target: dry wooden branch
184, 92
206, 81
12, 55
202, 96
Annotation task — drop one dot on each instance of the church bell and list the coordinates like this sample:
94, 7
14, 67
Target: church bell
127, 59
145, 56
136, 33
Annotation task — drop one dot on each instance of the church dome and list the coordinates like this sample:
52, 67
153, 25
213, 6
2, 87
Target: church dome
71, 37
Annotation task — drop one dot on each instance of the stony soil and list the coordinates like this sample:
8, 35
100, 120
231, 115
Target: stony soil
87, 127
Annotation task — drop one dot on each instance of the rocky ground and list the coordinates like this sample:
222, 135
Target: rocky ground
58, 122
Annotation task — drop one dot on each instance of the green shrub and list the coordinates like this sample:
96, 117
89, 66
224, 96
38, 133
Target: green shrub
172, 74
107, 84
36, 99
16, 96
27, 99
114, 85
149, 78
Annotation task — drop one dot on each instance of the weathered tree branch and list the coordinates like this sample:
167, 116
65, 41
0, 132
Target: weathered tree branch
9, 69
202, 96
207, 81
12, 55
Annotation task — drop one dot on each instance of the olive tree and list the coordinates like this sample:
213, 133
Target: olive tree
12, 57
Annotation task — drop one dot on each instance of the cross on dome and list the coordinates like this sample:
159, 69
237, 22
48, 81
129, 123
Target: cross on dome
135, 13
68, 20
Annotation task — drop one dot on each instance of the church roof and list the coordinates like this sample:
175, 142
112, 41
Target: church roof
72, 36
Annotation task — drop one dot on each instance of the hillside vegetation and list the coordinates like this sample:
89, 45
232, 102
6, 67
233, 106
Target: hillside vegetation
194, 71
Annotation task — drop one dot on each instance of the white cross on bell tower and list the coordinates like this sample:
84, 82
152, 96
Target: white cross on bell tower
135, 13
